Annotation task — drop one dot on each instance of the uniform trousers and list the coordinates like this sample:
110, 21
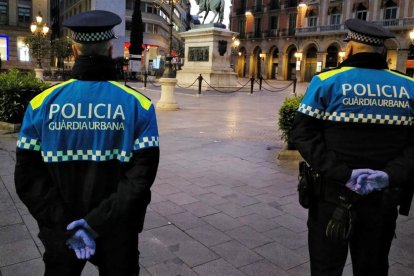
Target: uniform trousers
116, 254
369, 245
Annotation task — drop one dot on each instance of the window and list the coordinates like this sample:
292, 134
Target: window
129, 5
150, 9
312, 21
292, 21
274, 4
335, 19
24, 14
177, 13
22, 50
4, 50
361, 12
273, 22
242, 25
257, 27
390, 13
4, 19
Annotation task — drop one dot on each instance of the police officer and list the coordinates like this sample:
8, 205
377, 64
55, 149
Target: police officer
87, 155
354, 127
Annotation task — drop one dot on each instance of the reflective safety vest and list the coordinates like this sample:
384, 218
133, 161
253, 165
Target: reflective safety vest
88, 121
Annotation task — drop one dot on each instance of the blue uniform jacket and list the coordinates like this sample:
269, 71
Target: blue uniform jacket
359, 115
87, 149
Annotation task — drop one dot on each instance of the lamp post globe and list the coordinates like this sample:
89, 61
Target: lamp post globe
39, 30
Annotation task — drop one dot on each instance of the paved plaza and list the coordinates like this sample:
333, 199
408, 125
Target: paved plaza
222, 204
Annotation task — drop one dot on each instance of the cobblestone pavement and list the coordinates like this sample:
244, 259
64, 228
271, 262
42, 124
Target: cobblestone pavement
222, 203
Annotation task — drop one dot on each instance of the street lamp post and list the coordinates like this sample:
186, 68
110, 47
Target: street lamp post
39, 30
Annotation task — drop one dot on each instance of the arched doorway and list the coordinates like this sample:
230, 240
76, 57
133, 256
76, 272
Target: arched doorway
291, 63
311, 59
241, 63
331, 57
274, 63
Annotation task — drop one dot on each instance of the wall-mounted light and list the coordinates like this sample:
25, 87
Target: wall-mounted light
412, 36
262, 56
298, 56
302, 5
240, 53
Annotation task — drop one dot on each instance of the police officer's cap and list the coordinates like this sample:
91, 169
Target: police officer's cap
366, 32
93, 26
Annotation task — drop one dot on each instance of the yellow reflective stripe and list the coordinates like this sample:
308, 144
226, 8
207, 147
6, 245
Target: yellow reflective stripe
38, 100
145, 103
400, 75
326, 75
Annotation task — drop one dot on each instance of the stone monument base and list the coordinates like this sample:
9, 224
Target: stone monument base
219, 79
208, 52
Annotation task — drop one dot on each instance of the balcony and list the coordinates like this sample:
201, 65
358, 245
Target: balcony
271, 33
254, 35
397, 24
331, 28
287, 32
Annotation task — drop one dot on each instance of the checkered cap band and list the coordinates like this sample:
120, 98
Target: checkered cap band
93, 37
356, 117
374, 41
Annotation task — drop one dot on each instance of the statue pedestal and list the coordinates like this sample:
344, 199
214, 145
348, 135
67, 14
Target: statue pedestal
167, 100
208, 52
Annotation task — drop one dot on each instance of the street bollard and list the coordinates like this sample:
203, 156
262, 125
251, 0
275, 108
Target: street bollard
294, 86
200, 80
145, 79
260, 83
251, 85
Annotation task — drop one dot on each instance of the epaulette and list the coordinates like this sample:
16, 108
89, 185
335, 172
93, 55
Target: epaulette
130, 87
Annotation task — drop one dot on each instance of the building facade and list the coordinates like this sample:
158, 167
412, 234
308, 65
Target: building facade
17, 15
15, 19
286, 39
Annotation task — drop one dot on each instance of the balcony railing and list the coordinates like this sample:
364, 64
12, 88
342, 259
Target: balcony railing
408, 21
287, 32
307, 30
271, 33
331, 28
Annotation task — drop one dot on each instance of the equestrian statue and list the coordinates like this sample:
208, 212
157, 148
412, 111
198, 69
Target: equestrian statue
215, 6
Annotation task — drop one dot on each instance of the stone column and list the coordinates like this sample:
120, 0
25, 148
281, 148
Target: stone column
167, 101
402, 57
321, 57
